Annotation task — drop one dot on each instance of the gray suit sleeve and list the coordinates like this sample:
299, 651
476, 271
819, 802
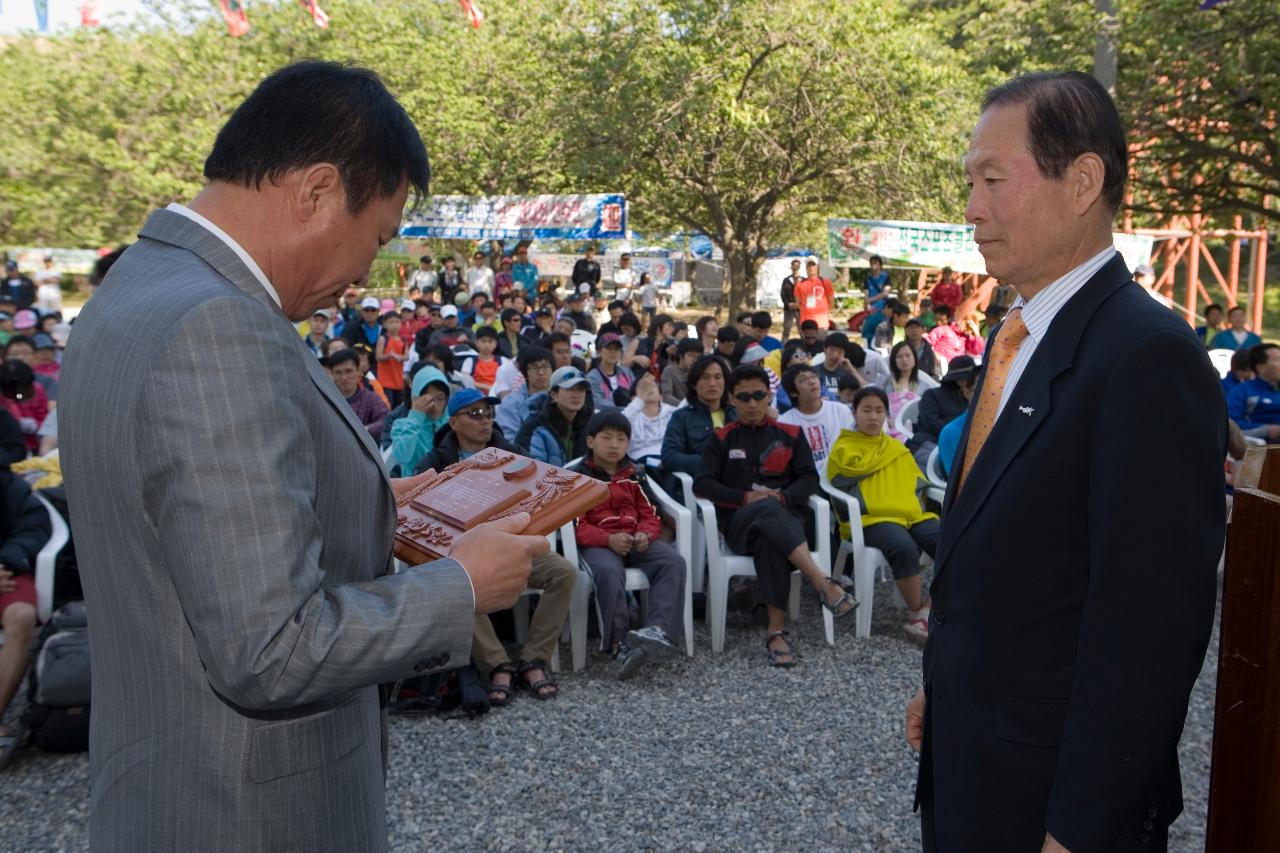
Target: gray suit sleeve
226, 456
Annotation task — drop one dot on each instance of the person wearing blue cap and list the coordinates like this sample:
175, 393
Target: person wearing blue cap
413, 436
468, 430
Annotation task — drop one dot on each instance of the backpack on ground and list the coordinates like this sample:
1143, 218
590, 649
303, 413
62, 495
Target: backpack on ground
58, 683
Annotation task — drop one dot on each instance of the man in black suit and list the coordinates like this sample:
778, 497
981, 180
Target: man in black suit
1074, 584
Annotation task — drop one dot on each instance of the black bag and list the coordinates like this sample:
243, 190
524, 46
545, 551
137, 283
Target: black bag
58, 683
441, 692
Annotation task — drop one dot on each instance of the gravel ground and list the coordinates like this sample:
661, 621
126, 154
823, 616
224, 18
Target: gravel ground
714, 753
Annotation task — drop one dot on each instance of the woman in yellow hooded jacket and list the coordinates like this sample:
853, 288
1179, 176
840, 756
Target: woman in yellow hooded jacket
880, 473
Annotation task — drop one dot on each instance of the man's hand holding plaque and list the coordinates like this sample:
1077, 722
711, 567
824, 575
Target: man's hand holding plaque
493, 509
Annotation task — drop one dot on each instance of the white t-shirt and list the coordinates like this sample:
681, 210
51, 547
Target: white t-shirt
508, 379
646, 432
649, 295
480, 280
821, 429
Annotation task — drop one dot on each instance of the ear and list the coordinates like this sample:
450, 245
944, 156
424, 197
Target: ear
317, 188
1086, 176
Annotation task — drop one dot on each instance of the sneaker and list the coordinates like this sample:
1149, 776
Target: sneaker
654, 641
629, 661
917, 626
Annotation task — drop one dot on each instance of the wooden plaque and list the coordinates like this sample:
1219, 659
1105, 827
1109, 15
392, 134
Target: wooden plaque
490, 485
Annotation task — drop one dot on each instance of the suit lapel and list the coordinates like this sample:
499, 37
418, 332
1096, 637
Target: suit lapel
1029, 404
165, 226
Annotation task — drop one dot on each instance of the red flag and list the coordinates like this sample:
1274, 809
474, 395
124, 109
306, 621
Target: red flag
474, 15
317, 14
233, 14
91, 13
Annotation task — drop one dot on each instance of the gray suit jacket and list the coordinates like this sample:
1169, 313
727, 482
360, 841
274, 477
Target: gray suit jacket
234, 524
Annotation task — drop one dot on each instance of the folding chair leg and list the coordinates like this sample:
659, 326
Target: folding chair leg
864, 588
793, 602
578, 620
717, 605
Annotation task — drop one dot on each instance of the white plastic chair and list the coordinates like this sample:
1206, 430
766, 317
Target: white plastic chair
1221, 360
866, 561
906, 420
45, 561
723, 564
698, 567
937, 490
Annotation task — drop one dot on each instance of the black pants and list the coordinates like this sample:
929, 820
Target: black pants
768, 532
902, 545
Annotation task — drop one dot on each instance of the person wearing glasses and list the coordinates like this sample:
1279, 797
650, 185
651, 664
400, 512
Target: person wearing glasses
470, 430
760, 475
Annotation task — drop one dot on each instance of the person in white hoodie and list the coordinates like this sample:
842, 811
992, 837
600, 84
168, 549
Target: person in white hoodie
648, 416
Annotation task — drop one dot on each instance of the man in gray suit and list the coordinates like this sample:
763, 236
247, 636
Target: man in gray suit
233, 520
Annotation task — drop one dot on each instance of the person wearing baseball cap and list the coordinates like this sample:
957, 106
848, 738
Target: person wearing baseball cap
317, 330
579, 312
939, 406
451, 333
558, 433
367, 329
412, 435
610, 381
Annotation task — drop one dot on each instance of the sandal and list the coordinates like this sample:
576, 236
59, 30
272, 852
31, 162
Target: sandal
543, 688
845, 601
776, 655
500, 694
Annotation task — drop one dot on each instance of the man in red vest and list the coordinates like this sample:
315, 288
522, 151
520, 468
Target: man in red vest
815, 296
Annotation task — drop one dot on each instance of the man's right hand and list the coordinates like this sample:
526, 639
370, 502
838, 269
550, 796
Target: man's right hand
498, 560
915, 721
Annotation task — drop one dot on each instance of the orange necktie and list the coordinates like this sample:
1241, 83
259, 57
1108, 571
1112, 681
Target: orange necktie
1003, 350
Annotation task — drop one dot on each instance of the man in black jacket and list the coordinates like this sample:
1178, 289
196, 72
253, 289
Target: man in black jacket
586, 270
790, 308
1074, 584
760, 474
13, 447
24, 530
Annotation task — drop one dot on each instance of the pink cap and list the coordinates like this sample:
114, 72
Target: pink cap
388, 305
25, 319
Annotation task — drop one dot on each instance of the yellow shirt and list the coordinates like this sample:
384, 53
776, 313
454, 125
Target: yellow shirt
717, 419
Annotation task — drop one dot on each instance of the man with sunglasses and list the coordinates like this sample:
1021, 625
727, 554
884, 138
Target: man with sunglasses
760, 475
471, 430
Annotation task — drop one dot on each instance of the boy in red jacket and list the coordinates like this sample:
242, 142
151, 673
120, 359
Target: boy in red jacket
623, 533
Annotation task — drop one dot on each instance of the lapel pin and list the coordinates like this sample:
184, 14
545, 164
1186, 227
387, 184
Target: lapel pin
1026, 410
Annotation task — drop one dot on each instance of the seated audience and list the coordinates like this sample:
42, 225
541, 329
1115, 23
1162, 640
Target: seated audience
940, 405
880, 473
557, 433
365, 329
24, 530
535, 367
317, 330
946, 338
908, 383
925, 358
662, 343
675, 376
849, 386
810, 338
510, 338
637, 350
835, 365
470, 430
893, 331
1255, 405
1212, 324
820, 420
691, 426
483, 367
749, 351
610, 382
369, 408
1241, 370
623, 533
22, 395
364, 357
23, 348
413, 436
760, 474
727, 342
707, 329
649, 416
879, 316
1235, 336
450, 333
390, 356
760, 325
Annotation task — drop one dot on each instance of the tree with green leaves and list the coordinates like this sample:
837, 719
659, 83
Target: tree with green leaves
751, 121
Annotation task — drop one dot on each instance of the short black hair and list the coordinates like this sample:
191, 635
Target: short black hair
1210, 307
848, 382
629, 319
444, 355
876, 259
915, 321
425, 259
1069, 113
744, 317
508, 314
1242, 359
728, 334
761, 320
1258, 355
700, 325
322, 112
943, 308
486, 331
617, 303
870, 391
1234, 308
611, 418
687, 346
836, 339
856, 354
700, 367
747, 373
550, 339
18, 340
531, 355
791, 374
808, 324
342, 356
901, 309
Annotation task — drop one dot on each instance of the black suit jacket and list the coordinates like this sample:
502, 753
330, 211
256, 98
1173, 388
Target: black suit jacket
1074, 587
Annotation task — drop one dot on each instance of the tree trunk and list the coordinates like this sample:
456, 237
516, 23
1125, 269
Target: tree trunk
740, 287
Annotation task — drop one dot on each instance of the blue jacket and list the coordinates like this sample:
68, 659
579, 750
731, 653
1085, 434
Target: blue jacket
1226, 340
515, 409
413, 435
686, 437
1254, 406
